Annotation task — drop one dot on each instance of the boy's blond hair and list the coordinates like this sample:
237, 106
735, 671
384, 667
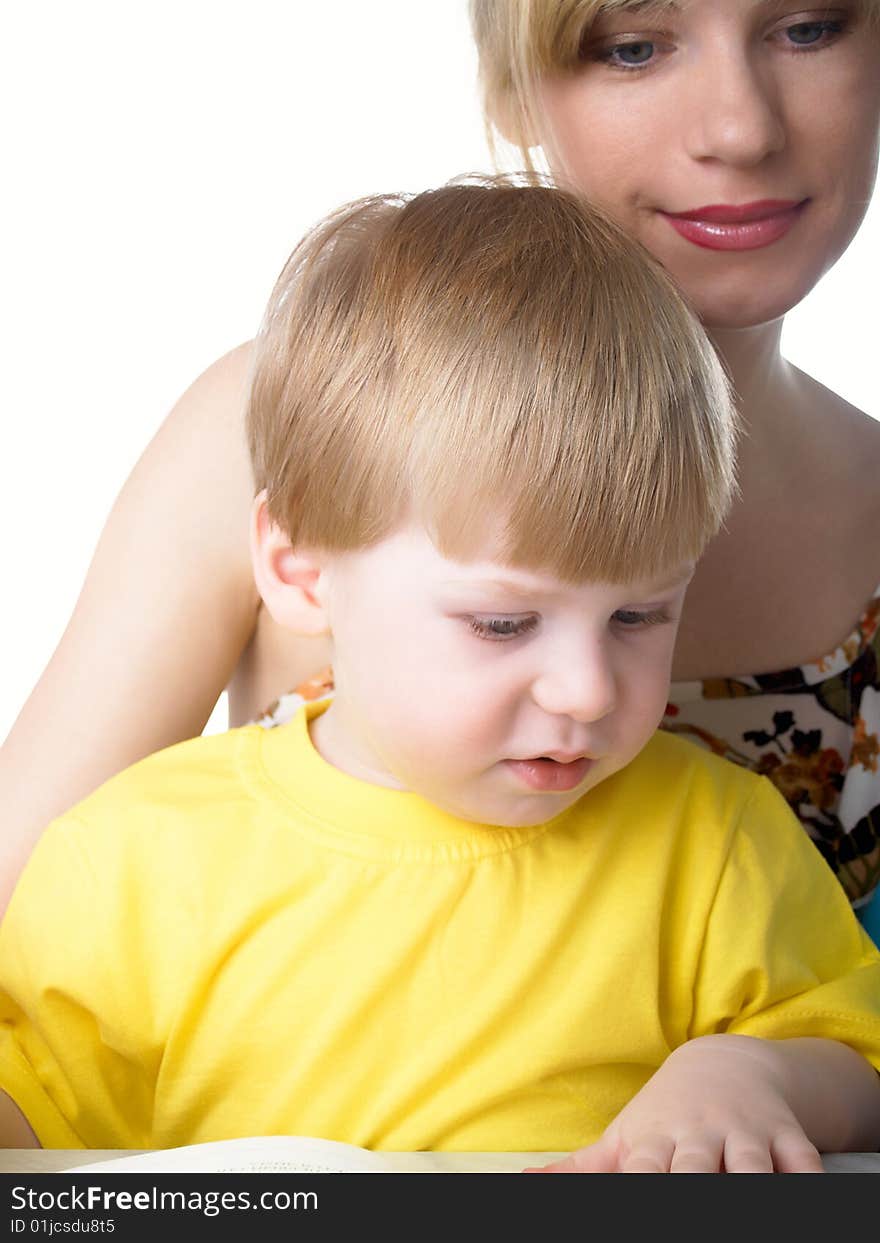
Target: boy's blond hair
490, 353
521, 41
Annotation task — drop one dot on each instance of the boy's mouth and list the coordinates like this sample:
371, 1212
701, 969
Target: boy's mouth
550, 775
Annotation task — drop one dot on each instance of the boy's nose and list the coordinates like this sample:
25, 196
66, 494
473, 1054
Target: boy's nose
582, 690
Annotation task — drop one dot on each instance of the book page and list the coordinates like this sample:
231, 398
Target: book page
302, 1154
282, 1154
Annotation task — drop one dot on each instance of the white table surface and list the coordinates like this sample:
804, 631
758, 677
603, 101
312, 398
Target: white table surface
48, 1160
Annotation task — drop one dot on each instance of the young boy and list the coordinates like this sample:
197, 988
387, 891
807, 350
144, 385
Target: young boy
474, 901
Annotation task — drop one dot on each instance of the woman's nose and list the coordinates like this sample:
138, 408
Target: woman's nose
736, 113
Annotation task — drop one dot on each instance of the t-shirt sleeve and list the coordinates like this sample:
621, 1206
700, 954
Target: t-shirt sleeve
783, 954
79, 1042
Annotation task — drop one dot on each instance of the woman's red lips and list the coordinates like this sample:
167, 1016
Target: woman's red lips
742, 226
725, 213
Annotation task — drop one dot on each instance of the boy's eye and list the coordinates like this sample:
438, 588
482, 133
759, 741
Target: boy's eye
502, 627
632, 619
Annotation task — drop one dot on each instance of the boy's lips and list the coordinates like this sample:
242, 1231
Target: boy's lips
743, 226
545, 773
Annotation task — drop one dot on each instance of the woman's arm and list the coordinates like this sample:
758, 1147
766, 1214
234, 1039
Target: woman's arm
167, 607
14, 1129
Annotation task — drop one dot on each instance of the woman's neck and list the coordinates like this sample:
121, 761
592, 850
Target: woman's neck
756, 368
765, 391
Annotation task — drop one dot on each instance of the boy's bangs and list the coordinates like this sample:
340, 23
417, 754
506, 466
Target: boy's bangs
575, 537
594, 499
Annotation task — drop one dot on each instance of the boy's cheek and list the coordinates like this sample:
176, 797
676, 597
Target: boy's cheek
448, 739
648, 713
644, 702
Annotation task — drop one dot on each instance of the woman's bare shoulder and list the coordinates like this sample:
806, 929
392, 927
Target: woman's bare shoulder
184, 507
222, 387
844, 449
166, 610
845, 425
206, 424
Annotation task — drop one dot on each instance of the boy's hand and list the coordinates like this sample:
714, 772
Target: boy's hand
716, 1104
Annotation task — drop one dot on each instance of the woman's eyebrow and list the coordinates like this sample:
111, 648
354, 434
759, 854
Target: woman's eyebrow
609, 10
635, 6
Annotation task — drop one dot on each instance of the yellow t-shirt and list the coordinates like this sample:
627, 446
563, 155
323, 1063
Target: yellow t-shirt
233, 938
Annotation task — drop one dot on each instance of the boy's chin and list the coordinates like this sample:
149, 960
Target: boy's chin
516, 813
547, 810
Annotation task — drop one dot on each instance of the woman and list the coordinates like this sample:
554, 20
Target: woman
739, 144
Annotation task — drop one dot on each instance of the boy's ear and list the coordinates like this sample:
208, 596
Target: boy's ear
286, 578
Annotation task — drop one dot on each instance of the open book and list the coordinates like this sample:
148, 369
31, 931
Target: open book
301, 1154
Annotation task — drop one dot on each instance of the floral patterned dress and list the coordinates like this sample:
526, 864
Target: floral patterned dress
814, 731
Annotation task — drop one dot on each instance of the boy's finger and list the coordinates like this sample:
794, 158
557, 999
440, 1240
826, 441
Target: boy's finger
698, 1154
598, 1158
794, 1154
651, 1155
744, 1154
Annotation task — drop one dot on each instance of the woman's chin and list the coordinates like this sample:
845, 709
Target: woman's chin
731, 310
756, 290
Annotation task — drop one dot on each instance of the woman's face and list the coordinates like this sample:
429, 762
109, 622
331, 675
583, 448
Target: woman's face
736, 139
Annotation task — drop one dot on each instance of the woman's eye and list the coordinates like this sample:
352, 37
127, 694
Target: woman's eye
628, 55
501, 627
812, 34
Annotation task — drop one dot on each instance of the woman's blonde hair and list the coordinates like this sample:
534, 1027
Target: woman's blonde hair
490, 351
521, 41
518, 42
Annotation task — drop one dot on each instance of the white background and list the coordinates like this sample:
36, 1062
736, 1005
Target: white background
159, 162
